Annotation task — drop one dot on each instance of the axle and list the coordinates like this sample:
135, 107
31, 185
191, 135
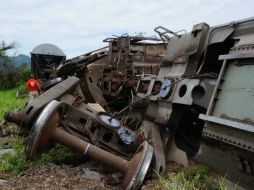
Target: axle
46, 130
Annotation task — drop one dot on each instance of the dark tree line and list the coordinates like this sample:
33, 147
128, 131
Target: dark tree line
10, 76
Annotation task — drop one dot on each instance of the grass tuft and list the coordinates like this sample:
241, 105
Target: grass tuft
9, 102
56, 155
15, 163
192, 178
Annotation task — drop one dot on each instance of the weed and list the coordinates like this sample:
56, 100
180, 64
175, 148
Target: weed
192, 178
15, 163
56, 155
9, 102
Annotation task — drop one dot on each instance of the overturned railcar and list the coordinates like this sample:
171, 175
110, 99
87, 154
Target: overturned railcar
188, 95
206, 99
45, 58
228, 143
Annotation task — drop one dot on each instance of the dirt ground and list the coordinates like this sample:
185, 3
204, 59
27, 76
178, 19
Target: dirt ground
90, 176
61, 177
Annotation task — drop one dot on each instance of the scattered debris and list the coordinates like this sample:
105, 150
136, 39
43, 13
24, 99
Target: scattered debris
156, 100
91, 175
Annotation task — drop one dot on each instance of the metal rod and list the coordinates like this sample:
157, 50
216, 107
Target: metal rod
74, 143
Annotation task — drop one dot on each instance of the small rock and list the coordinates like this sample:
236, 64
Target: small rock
2, 181
113, 179
51, 165
91, 175
9, 150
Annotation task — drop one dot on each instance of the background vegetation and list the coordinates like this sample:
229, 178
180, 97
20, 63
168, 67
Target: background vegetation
9, 102
11, 73
12, 79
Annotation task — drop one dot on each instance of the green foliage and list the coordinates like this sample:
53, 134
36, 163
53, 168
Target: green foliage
17, 162
10, 76
56, 155
4, 48
7, 70
25, 75
9, 102
192, 178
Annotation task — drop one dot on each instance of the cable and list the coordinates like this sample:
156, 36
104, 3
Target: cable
155, 92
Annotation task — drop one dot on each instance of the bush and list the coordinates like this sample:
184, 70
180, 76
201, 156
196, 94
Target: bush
10, 76
25, 74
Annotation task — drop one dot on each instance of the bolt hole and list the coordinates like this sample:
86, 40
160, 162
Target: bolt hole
82, 120
197, 92
93, 129
107, 137
182, 90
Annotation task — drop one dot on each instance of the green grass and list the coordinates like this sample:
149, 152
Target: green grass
192, 178
56, 155
8, 101
18, 162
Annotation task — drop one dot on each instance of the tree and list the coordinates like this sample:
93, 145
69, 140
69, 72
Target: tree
8, 73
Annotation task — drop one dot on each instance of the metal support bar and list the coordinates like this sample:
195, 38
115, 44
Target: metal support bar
237, 56
226, 122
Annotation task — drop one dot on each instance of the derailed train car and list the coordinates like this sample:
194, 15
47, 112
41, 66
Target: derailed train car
208, 99
45, 58
197, 99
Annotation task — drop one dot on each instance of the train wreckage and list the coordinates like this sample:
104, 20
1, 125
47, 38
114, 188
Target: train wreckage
142, 101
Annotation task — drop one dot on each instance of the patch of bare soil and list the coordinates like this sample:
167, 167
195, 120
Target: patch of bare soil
61, 177
90, 176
